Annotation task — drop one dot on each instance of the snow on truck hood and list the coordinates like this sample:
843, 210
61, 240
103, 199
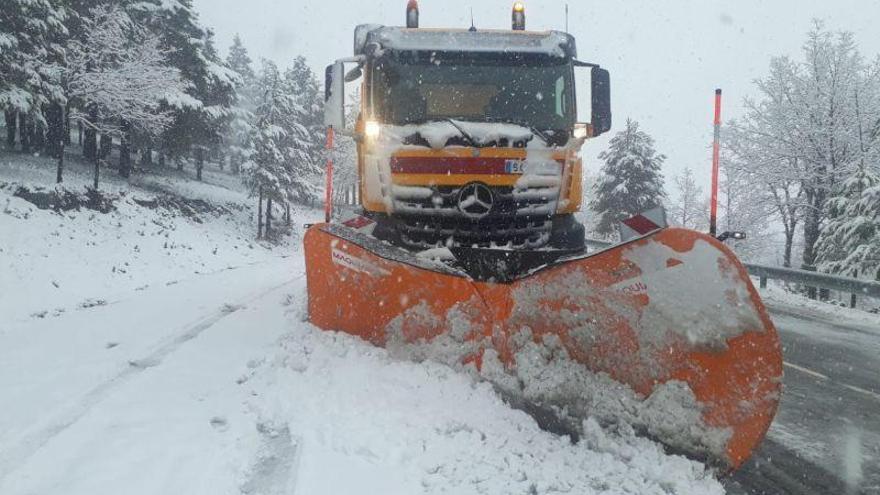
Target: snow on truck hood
437, 134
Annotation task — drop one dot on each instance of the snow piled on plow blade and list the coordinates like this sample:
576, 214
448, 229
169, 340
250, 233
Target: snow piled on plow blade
664, 335
702, 302
396, 426
544, 375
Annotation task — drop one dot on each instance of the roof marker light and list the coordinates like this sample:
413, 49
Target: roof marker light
412, 14
519, 16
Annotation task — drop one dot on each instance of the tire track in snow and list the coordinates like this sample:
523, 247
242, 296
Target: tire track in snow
126, 295
277, 463
13, 458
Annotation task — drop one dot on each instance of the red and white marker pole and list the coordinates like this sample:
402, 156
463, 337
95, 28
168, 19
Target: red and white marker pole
328, 187
716, 152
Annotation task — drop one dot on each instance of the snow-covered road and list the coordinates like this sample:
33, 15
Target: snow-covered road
215, 385
826, 435
116, 393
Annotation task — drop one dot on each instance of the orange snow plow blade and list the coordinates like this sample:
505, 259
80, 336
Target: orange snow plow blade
672, 316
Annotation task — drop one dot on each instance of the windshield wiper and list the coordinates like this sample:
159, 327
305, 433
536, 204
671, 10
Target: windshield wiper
464, 133
538, 132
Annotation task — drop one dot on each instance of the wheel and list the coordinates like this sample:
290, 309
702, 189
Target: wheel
567, 233
386, 229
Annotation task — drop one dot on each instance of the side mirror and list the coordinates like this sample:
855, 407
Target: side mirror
600, 91
334, 96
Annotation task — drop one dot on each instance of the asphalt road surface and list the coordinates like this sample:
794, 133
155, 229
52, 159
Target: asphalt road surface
826, 436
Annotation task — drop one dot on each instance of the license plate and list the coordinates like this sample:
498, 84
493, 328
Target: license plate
514, 167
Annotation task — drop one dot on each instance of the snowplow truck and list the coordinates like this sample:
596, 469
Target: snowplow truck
465, 249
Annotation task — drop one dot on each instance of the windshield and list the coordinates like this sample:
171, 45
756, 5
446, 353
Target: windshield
531, 95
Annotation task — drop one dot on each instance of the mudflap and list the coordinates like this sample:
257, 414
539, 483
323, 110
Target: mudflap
673, 316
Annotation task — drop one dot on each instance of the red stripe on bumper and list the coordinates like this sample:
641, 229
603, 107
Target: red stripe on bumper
449, 165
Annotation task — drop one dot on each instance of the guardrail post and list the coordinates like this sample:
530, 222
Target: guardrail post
763, 282
852, 296
811, 291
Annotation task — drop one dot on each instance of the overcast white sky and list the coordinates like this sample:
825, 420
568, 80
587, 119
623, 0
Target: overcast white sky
665, 57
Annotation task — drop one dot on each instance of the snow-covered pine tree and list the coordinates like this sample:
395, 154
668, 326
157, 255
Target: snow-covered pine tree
219, 98
587, 216
631, 180
29, 34
240, 61
239, 141
266, 173
849, 243
689, 208
203, 111
305, 141
177, 26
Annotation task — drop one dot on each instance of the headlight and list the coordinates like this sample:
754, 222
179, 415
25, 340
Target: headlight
581, 131
372, 129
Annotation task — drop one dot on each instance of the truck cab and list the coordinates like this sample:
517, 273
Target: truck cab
469, 137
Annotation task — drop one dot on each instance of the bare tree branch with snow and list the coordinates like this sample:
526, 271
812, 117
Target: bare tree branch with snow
689, 208
120, 69
118, 76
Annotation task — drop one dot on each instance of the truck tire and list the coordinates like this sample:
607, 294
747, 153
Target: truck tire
567, 233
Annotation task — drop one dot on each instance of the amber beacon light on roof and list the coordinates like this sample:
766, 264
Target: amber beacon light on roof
519, 17
412, 14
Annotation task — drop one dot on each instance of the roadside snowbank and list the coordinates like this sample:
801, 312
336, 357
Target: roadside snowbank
777, 296
403, 427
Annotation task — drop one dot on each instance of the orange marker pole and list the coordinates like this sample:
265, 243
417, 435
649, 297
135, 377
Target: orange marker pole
716, 152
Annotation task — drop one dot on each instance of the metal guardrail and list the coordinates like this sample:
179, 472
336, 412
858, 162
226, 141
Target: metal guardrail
814, 279
346, 194
807, 278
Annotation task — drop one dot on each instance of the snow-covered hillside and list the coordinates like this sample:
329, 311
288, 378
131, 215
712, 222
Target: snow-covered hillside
160, 229
153, 349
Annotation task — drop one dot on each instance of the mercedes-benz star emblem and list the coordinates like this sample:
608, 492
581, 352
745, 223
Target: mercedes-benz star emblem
475, 200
